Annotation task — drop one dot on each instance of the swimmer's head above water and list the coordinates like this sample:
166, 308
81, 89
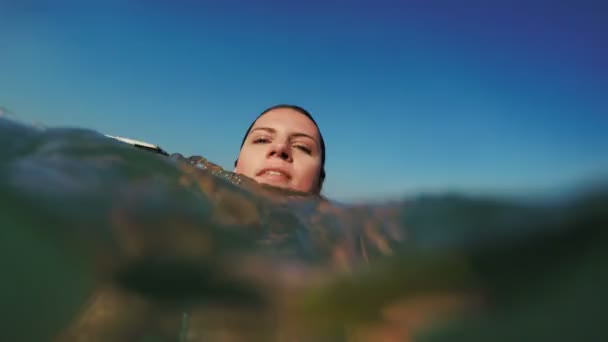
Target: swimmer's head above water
284, 147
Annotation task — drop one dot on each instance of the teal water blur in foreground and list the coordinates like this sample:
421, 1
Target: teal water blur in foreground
100, 241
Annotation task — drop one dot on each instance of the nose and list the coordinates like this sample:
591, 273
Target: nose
280, 150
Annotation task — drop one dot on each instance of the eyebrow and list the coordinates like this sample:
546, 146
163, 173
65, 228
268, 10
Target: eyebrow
272, 130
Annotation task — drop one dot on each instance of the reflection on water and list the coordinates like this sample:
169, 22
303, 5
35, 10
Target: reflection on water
104, 242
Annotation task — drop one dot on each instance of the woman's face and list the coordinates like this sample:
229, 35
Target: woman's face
283, 149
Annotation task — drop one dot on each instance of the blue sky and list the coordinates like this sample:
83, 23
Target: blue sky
410, 95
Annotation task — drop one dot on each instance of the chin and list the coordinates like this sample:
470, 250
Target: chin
276, 184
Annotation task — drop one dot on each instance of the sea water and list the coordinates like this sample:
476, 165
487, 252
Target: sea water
100, 241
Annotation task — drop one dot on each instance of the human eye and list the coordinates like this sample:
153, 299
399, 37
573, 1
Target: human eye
304, 148
261, 140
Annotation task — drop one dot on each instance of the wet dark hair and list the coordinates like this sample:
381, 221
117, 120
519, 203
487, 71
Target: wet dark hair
303, 112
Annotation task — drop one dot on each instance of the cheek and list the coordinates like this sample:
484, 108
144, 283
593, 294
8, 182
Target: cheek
243, 165
308, 174
250, 159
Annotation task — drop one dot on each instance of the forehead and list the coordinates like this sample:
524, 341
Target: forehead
287, 120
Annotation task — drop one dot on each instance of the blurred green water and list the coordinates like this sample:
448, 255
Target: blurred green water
100, 241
